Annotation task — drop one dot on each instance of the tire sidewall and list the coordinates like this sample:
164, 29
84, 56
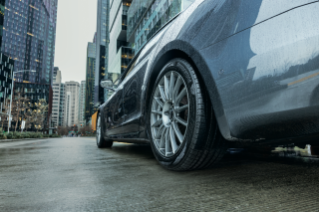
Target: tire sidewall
98, 140
102, 141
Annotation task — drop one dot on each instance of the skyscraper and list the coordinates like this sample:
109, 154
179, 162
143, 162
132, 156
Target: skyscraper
6, 68
82, 103
56, 103
52, 4
89, 92
29, 39
6, 72
71, 103
102, 40
57, 75
2, 11
120, 52
61, 107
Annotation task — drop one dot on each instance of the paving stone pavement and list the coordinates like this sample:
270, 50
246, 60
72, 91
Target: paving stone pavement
72, 174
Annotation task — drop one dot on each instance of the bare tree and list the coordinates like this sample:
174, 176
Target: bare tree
19, 106
5, 112
86, 130
40, 113
28, 116
63, 130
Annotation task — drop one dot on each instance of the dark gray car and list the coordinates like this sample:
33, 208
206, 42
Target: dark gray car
221, 73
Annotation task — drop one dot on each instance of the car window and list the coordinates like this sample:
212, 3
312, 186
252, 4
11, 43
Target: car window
130, 70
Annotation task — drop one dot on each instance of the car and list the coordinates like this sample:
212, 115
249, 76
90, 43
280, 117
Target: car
220, 74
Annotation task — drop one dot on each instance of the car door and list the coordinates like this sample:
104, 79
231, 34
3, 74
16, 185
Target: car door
114, 113
131, 94
129, 89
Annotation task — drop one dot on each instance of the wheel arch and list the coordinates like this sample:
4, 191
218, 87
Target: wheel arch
182, 49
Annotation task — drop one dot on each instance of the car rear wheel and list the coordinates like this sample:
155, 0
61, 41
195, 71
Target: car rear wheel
183, 130
100, 141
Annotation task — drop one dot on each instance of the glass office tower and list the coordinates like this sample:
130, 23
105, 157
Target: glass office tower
120, 51
29, 39
2, 11
102, 41
6, 72
49, 60
90, 77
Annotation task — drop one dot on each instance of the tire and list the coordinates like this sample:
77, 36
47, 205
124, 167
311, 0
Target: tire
100, 141
181, 122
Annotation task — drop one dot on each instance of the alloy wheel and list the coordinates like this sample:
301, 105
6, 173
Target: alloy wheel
170, 113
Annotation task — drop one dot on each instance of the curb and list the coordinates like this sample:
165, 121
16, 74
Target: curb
25, 139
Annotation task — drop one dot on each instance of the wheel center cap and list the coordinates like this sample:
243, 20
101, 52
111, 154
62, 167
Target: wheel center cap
168, 114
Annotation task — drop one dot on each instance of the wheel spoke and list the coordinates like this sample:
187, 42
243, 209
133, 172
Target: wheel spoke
173, 140
180, 109
157, 143
166, 87
180, 96
159, 102
162, 93
162, 144
181, 121
159, 132
157, 112
178, 133
171, 86
178, 84
157, 123
167, 144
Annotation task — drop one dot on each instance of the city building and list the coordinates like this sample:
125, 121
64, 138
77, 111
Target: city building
82, 104
56, 102
101, 41
62, 106
29, 39
90, 70
120, 51
71, 103
6, 72
57, 75
49, 61
146, 17
2, 11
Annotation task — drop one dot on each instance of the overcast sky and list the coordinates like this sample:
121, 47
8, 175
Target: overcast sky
76, 26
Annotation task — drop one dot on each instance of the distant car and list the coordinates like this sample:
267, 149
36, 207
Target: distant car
222, 72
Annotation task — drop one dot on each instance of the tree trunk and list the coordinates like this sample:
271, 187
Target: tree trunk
15, 130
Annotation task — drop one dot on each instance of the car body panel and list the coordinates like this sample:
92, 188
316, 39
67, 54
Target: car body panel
258, 59
262, 84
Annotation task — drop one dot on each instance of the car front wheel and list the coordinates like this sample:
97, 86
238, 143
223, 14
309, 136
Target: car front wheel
184, 133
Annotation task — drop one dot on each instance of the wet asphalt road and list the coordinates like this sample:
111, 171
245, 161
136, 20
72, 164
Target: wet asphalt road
72, 174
